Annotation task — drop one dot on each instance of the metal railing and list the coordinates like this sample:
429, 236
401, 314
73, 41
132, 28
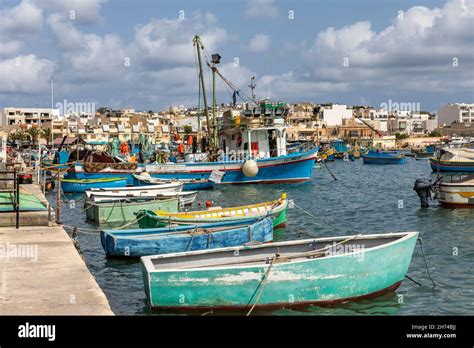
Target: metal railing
16, 193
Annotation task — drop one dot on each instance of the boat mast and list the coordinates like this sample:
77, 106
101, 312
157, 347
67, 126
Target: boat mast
198, 44
215, 59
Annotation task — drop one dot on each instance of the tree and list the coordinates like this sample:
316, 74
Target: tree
103, 110
150, 112
46, 134
34, 134
435, 133
401, 136
16, 136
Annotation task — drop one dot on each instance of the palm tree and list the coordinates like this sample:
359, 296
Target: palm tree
16, 135
46, 134
34, 134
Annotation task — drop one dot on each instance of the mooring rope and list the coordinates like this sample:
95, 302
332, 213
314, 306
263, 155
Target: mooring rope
426, 263
308, 213
262, 284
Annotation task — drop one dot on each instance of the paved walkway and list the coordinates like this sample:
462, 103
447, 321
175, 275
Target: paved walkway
41, 273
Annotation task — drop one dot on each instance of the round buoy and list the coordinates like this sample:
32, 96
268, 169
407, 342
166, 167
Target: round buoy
208, 204
250, 168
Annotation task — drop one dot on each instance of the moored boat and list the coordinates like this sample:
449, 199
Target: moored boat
319, 271
457, 193
184, 198
145, 179
123, 210
275, 209
454, 160
142, 242
384, 157
81, 185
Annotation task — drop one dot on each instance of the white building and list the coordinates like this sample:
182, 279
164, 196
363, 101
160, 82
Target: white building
28, 116
334, 114
457, 112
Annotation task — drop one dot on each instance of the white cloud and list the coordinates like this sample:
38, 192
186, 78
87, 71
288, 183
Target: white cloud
25, 74
259, 43
422, 43
290, 86
80, 11
165, 42
261, 8
17, 25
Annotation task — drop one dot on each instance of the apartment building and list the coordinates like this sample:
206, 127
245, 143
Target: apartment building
456, 112
27, 116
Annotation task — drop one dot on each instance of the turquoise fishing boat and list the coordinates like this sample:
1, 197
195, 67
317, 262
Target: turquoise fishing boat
320, 271
81, 185
384, 157
142, 242
275, 209
123, 210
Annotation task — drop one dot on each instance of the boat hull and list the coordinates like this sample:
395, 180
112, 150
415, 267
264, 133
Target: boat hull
148, 219
456, 196
119, 211
136, 243
319, 281
74, 186
294, 167
451, 166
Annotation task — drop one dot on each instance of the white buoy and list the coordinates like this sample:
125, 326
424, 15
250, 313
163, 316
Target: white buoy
250, 168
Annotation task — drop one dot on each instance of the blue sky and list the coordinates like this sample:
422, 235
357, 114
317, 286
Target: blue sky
354, 52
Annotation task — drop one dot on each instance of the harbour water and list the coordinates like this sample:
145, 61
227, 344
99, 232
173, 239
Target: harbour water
364, 199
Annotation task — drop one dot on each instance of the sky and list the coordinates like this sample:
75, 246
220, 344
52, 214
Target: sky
139, 54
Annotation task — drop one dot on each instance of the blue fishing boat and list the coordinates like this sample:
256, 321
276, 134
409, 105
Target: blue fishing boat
142, 242
384, 157
81, 185
146, 179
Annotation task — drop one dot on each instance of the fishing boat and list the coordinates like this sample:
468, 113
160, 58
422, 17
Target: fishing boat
454, 160
123, 210
426, 153
156, 241
457, 193
275, 209
146, 179
184, 198
322, 271
81, 185
384, 157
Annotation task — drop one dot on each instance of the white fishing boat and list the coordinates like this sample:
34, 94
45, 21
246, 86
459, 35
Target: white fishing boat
185, 197
165, 187
457, 193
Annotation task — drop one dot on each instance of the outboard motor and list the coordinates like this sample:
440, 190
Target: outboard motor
425, 189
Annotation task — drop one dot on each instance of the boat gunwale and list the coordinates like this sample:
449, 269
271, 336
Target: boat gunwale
147, 261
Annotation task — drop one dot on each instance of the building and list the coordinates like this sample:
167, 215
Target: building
457, 112
333, 114
28, 116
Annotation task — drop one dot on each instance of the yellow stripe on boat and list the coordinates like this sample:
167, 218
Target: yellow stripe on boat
225, 212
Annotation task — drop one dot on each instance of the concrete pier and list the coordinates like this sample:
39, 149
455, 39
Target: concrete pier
41, 273
33, 218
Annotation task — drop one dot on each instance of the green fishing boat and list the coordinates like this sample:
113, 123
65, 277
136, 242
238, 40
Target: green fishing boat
275, 209
123, 210
320, 271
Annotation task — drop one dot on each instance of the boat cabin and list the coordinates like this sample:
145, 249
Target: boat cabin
257, 132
